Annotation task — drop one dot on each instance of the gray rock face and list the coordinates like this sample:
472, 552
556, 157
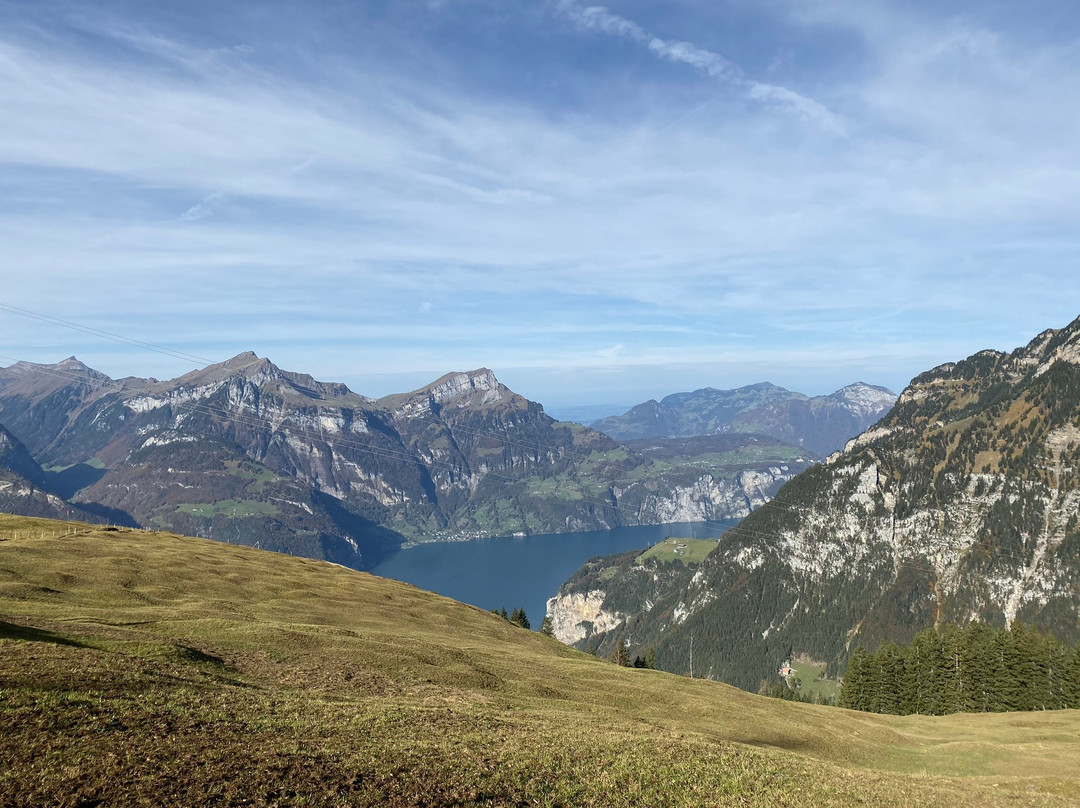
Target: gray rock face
962, 503
576, 616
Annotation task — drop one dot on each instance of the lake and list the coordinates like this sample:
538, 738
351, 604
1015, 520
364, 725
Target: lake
521, 571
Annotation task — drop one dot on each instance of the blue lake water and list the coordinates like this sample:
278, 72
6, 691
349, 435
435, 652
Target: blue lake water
521, 571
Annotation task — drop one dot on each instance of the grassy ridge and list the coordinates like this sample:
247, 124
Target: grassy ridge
142, 668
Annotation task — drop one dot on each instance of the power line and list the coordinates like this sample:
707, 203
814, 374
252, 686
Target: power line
149, 346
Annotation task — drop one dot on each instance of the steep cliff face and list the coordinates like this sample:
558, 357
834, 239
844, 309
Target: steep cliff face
708, 498
821, 424
576, 616
17, 461
246, 452
962, 503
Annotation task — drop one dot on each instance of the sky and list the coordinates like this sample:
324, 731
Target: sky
602, 203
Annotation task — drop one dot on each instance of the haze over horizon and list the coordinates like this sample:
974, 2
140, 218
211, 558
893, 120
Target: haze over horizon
603, 204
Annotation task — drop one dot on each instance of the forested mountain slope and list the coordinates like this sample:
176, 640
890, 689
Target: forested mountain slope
961, 504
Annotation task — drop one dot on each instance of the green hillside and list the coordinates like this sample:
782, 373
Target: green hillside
685, 551
151, 669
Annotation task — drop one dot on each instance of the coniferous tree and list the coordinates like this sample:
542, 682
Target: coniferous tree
979, 640
621, 655
1072, 680
546, 628
975, 669
650, 659
519, 618
853, 688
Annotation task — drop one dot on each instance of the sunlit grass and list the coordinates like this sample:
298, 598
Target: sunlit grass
142, 668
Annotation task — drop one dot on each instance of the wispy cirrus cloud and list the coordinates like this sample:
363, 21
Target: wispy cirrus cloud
714, 65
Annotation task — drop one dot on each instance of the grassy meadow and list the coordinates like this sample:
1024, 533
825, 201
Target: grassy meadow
686, 551
151, 669
811, 674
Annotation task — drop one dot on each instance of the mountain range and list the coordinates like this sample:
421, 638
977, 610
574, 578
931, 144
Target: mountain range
821, 424
245, 452
962, 503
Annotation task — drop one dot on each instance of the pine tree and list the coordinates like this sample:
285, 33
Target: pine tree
852, 690
621, 654
546, 628
650, 659
1072, 680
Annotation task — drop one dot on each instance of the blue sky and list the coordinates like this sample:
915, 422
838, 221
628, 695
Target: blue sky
601, 203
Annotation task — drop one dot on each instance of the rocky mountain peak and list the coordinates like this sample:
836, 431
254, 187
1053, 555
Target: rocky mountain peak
246, 365
1062, 345
470, 389
475, 388
867, 399
250, 364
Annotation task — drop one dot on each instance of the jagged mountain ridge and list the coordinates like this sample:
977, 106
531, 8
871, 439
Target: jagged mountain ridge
962, 503
822, 424
244, 451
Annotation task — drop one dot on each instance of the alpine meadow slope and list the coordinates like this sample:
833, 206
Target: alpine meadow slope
245, 452
140, 668
961, 504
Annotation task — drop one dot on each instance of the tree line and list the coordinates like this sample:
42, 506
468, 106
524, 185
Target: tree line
518, 617
977, 668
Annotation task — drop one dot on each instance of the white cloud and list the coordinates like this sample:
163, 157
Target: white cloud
203, 209
551, 236
599, 18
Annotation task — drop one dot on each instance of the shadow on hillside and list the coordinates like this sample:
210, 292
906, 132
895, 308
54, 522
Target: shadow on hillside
11, 631
373, 541
112, 516
71, 480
